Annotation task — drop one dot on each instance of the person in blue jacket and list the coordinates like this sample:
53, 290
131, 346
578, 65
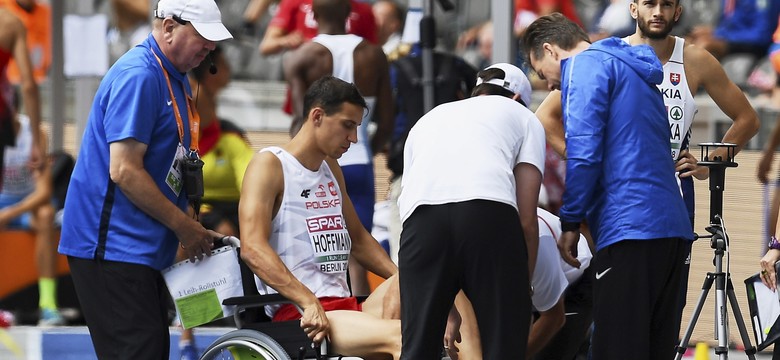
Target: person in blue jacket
743, 26
620, 180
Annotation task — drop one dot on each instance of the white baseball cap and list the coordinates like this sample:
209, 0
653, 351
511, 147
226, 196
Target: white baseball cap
514, 80
203, 14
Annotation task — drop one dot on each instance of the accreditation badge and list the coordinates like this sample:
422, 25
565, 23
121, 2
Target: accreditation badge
174, 177
330, 242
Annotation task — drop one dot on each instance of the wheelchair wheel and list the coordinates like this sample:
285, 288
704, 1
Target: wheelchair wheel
245, 345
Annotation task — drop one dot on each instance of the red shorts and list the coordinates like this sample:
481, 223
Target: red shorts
290, 312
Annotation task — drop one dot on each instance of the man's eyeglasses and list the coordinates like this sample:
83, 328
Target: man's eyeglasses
176, 18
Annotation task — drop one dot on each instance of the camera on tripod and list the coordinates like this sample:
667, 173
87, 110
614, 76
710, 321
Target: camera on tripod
707, 159
717, 165
724, 289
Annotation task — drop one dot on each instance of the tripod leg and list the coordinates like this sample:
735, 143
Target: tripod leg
750, 350
721, 317
705, 289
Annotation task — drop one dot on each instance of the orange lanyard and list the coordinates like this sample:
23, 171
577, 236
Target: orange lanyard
193, 116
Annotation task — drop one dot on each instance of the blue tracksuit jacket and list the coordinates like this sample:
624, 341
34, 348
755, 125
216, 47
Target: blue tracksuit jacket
619, 175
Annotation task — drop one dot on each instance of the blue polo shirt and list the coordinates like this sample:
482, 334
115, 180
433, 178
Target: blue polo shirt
132, 102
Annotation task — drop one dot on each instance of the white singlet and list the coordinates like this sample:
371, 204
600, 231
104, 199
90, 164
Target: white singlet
18, 179
309, 232
342, 48
680, 105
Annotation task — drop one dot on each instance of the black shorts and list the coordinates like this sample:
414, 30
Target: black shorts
125, 306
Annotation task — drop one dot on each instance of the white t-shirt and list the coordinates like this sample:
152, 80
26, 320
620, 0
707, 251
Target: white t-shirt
551, 224
552, 275
467, 150
548, 281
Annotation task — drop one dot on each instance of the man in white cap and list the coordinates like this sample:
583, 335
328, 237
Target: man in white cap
129, 199
472, 172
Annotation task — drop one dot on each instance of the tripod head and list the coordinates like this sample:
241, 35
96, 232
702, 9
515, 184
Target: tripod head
718, 237
709, 159
717, 165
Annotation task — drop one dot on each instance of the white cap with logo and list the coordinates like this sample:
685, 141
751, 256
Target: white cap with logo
514, 80
203, 14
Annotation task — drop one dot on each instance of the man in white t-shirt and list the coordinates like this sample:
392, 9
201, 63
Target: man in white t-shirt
468, 205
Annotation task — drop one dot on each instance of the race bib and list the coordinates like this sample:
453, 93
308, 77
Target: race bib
676, 129
330, 242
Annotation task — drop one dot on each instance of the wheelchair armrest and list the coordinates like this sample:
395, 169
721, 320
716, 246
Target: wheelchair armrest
256, 300
269, 299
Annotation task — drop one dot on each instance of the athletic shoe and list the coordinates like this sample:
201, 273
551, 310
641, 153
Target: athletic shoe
189, 352
51, 317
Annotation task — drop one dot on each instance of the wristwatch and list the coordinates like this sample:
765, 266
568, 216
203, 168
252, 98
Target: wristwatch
773, 243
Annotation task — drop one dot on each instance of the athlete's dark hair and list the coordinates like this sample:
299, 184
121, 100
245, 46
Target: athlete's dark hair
677, 2
553, 29
330, 93
331, 11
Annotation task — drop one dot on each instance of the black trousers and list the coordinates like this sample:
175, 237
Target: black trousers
578, 302
635, 298
686, 271
125, 306
477, 246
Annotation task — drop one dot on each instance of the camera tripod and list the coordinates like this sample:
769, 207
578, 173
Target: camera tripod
724, 289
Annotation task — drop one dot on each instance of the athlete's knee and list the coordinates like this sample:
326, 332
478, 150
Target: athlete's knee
43, 216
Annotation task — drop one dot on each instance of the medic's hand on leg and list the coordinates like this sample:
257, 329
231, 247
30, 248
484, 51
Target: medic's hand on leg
452, 333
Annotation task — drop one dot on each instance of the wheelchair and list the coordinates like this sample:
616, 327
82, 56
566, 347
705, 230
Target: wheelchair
256, 337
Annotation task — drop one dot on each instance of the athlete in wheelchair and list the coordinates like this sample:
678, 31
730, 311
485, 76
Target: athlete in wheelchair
298, 230
259, 338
